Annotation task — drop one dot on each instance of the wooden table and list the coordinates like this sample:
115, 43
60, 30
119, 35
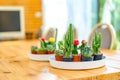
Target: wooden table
16, 65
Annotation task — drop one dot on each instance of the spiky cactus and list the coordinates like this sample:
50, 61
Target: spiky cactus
68, 43
96, 42
87, 52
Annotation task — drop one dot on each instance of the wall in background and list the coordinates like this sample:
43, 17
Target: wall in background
32, 8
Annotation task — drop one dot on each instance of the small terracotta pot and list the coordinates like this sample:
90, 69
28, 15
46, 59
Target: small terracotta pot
34, 52
50, 52
45, 52
76, 58
58, 58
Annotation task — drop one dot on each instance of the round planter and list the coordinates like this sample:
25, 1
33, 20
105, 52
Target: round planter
87, 58
76, 58
40, 57
98, 56
50, 52
34, 52
76, 65
58, 58
67, 59
45, 52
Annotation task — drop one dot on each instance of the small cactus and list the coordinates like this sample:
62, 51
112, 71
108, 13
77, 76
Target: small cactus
96, 42
67, 45
87, 52
58, 52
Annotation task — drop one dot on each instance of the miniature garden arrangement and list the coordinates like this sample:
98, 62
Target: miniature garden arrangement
71, 54
46, 49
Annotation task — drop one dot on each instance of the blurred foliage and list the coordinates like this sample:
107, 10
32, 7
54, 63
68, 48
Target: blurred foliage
115, 15
94, 16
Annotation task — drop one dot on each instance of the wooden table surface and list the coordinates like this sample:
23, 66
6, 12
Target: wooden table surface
16, 65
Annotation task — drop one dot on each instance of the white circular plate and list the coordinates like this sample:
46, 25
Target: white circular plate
40, 57
76, 65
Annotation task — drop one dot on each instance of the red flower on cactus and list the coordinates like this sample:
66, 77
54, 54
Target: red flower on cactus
43, 39
76, 42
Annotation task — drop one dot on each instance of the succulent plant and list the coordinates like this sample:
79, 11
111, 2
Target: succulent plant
96, 42
50, 47
43, 43
34, 48
87, 52
58, 52
42, 50
83, 45
61, 45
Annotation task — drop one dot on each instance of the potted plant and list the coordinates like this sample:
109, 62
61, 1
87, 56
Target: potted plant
34, 49
51, 45
86, 51
43, 45
87, 54
50, 49
68, 45
58, 55
83, 45
47, 47
96, 44
76, 56
42, 51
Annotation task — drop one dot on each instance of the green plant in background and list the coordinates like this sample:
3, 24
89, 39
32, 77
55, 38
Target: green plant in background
96, 42
42, 50
116, 17
34, 48
115, 21
43, 43
50, 47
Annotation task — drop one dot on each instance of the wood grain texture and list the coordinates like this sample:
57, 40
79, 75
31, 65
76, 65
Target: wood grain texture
16, 65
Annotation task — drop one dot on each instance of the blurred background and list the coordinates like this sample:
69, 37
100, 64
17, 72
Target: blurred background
42, 15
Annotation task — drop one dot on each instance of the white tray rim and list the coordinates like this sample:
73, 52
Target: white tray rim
40, 57
76, 65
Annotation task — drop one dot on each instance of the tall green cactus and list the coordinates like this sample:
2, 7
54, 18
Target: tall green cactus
56, 35
96, 42
68, 42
